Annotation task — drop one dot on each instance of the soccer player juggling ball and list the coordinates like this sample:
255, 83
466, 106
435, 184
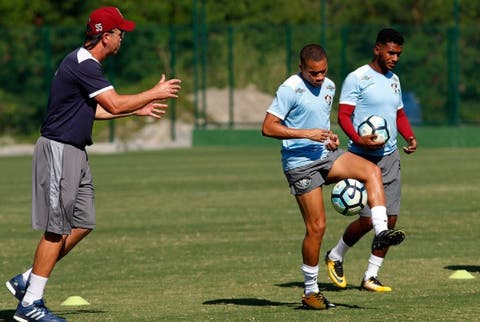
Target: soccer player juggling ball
300, 117
373, 89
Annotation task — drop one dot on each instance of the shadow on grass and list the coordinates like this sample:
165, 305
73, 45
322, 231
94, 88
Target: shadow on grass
263, 302
328, 287
76, 312
7, 315
296, 305
249, 302
468, 268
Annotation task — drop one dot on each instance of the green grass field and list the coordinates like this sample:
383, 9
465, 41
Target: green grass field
212, 234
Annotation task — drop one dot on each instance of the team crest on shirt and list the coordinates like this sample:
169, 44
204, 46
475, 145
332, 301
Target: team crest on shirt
328, 99
331, 87
395, 88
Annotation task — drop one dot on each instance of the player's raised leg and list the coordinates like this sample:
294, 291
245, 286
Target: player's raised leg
350, 165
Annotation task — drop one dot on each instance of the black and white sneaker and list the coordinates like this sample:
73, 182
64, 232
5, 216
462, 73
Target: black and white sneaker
387, 238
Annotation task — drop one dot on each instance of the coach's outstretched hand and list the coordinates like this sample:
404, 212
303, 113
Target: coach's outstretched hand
165, 89
153, 109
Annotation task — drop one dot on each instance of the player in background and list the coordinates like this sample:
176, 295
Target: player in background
300, 116
373, 89
63, 193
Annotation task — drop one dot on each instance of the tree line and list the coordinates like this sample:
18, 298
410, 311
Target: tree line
37, 34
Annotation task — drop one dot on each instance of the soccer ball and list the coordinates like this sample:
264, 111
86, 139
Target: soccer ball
375, 124
349, 197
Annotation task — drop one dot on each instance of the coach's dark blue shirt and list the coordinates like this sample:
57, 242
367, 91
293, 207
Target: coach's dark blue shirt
71, 105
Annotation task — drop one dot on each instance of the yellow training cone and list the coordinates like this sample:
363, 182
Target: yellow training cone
462, 274
74, 301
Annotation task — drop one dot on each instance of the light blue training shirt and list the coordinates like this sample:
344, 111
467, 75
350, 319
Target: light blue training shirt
373, 93
301, 105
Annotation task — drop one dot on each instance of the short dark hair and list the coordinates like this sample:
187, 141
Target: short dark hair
389, 35
312, 51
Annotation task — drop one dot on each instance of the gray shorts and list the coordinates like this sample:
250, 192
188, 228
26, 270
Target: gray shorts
305, 179
62, 188
390, 166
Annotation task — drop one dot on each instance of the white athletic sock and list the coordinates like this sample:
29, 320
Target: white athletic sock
379, 219
35, 289
338, 252
374, 264
26, 274
310, 275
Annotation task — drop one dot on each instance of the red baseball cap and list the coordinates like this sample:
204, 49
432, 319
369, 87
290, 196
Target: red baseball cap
107, 18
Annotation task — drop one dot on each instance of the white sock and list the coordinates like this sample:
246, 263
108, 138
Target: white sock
35, 289
26, 274
310, 275
338, 252
379, 219
374, 264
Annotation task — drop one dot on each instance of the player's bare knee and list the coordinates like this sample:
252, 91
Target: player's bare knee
317, 231
374, 173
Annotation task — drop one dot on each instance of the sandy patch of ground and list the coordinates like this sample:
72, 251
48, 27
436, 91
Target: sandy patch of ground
249, 105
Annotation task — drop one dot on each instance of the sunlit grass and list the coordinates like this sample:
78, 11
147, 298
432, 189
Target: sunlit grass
213, 234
